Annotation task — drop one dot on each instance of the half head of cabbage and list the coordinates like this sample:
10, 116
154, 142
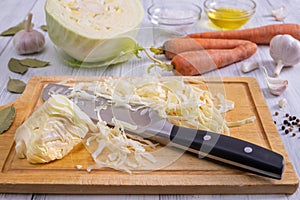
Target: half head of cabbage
93, 32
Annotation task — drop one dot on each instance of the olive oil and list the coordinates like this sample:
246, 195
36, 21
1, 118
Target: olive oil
228, 18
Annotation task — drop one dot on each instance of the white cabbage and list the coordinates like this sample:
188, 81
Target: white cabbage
52, 131
96, 32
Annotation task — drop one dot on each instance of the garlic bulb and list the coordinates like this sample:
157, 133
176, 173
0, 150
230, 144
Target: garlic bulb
28, 41
285, 50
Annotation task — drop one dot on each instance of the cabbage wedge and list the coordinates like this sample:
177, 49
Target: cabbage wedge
52, 131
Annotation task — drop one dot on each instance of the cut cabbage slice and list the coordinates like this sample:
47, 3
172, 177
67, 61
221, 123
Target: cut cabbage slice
93, 31
52, 131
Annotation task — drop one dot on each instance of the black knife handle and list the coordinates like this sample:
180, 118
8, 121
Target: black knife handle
229, 150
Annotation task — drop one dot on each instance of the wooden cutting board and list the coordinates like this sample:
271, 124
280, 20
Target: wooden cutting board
183, 174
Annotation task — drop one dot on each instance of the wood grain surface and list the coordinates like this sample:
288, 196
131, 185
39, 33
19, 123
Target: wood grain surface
176, 172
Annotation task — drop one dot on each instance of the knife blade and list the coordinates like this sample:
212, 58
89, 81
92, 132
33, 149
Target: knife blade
148, 124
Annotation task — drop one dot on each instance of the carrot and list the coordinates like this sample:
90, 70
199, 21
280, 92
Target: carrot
190, 63
199, 62
259, 35
173, 47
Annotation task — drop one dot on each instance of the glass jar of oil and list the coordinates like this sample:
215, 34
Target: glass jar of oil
228, 14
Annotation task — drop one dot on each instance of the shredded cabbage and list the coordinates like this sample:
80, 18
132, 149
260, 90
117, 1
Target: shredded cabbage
173, 98
113, 148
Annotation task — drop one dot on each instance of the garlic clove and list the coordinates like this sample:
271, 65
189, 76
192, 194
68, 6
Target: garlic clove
28, 41
249, 66
276, 86
279, 14
282, 103
278, 89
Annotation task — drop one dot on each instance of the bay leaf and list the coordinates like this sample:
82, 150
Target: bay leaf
7, 116
16, 86
14, 65
13, 30
44, 28
34, 63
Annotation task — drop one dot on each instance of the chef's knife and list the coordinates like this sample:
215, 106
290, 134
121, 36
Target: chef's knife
147, 123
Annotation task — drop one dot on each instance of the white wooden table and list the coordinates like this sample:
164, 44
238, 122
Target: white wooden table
14, 11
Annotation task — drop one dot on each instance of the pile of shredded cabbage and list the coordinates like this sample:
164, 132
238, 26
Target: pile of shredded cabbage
173, 98
115, 149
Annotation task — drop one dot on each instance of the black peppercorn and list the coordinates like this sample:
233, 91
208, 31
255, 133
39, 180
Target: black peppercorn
283, 127
286, 131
